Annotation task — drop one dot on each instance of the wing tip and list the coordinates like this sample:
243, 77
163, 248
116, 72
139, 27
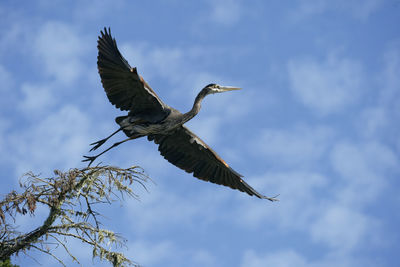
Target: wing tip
252, 192
272, 199
105, 36
105, 31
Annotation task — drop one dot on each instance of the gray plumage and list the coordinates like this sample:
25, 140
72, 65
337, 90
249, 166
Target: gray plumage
149, 116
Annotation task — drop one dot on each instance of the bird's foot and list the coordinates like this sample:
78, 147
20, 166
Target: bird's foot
97, 144
90, 159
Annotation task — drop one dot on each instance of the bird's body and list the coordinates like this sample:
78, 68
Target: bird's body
149, 116
135, 124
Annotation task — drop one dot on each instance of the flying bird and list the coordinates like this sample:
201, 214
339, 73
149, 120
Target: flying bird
149, 116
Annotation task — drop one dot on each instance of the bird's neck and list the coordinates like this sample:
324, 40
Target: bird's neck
195, 109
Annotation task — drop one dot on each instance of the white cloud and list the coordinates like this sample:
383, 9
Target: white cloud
226, 12
377, 120
15, 34
174, 64
61, 50
364, 168
300, 146
290, 257
373, 121
36, 99
150, 254
297, 206
57, 141
362, 9
342, 228
156, 210
307, 8
6, 80
3, 127
230, 106
389, 77
86, 11
286, 258
207, 128
327, 87
167, 253
152, 61
336, 219
358, 9
218, 13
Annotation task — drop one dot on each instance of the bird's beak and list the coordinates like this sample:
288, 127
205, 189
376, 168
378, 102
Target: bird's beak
228, 88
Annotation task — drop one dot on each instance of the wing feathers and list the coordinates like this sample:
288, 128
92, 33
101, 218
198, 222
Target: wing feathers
188, 152
127, 90
124, 87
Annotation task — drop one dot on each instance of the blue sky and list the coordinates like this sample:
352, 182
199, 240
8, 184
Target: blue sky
316, 123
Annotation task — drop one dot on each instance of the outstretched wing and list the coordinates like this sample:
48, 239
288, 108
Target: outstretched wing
125, 88
188, 152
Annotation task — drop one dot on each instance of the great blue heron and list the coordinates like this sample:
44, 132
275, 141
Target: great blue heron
149, 116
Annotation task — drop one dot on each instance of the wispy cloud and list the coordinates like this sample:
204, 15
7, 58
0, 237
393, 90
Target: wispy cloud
358, 9
291, 257
61, 50
167, 253
36, 99
327, 86
363, 168
295, 188
173, 64
342, 228
278, 259
6, 80
226, 12
58, 141
151, 254
337, 219
54, 131
299, 146
377, 120
155, 210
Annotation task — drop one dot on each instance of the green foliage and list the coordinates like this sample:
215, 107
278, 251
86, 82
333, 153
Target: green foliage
7, 263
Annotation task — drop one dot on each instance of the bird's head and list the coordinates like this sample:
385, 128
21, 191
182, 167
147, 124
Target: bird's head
213, 88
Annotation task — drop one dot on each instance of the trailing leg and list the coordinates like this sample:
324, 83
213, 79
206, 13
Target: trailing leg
90, 159
102, 141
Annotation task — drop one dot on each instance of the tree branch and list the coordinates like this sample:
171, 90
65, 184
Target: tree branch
71, 197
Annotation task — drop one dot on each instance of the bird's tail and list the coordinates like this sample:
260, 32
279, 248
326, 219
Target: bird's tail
120, 119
